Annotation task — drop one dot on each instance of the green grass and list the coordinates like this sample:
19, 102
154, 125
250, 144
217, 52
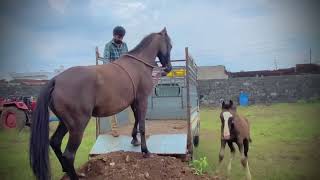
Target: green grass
14, 160
286, 142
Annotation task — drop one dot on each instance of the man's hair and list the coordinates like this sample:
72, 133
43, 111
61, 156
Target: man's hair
119, 30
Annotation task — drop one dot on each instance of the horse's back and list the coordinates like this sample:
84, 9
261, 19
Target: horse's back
75, 87
79, 76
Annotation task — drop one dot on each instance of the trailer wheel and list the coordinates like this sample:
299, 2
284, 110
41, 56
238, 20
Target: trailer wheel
12, 118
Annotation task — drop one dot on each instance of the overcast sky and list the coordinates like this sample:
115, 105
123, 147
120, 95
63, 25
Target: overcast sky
240, 34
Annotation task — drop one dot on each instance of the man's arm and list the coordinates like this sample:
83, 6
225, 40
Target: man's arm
106, 54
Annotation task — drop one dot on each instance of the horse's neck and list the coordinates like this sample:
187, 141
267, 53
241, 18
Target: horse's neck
149, 53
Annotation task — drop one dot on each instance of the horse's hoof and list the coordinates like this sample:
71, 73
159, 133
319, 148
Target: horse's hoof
135, 142
244, 162
81, 175
65, 177
146, 155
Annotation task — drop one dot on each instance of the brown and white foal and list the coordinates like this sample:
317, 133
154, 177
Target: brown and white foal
234, 129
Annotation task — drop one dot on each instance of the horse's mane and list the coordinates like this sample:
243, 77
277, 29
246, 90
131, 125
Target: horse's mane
145, 42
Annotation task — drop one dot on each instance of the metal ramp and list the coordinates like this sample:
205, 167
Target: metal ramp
159, 144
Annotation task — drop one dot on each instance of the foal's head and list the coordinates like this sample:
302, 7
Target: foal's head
227, 120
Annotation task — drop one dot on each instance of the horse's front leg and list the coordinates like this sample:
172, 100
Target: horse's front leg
135, 141
141, 110
221, 154
233, 151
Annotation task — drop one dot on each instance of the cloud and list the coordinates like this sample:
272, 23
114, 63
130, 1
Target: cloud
122, 9
58, 5
239, 34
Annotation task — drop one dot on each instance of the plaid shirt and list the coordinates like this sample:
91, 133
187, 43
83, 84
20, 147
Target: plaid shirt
113, 51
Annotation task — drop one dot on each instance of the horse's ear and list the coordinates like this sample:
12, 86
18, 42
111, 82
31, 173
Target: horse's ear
163, 31
231, 102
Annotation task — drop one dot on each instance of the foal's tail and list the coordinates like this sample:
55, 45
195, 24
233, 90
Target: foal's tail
39, 139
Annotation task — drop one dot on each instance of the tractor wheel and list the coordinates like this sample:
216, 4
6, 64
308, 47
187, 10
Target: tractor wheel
12, 118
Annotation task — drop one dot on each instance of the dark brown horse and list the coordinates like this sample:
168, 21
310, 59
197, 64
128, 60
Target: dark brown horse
104, 90
234, 129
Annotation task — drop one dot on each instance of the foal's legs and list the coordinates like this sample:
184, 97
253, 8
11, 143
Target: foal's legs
56, 140
222, 147
246, 149
221, 154
135, 140
232, 150
243, 148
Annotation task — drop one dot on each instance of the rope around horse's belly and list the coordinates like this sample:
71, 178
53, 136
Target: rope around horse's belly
134, 86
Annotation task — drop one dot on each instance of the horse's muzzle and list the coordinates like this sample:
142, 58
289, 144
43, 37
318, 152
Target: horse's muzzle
168, 68
226, 136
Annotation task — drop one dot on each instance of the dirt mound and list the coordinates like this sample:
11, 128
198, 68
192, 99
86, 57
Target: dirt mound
130, 165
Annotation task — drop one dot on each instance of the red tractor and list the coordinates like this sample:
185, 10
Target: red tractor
16, 112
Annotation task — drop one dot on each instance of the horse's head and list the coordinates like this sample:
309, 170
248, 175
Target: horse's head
227, 119
164, 50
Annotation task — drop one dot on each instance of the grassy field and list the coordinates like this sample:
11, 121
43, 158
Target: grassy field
14, 159
286, 139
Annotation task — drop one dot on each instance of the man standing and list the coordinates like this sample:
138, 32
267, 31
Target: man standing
112, 51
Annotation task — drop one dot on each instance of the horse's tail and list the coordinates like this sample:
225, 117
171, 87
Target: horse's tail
39, 139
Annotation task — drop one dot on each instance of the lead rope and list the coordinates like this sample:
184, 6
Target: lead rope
156, 75
138, 59
156, 72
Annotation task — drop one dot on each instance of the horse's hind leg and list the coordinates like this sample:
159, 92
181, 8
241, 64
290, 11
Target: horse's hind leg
246, 164
135, 140
55, 142
232, 150
76, 129
75, 137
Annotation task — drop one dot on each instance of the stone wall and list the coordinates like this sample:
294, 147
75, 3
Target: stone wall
261, 90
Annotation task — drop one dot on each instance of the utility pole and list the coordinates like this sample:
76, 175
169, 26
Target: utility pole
275, 63
310, 56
